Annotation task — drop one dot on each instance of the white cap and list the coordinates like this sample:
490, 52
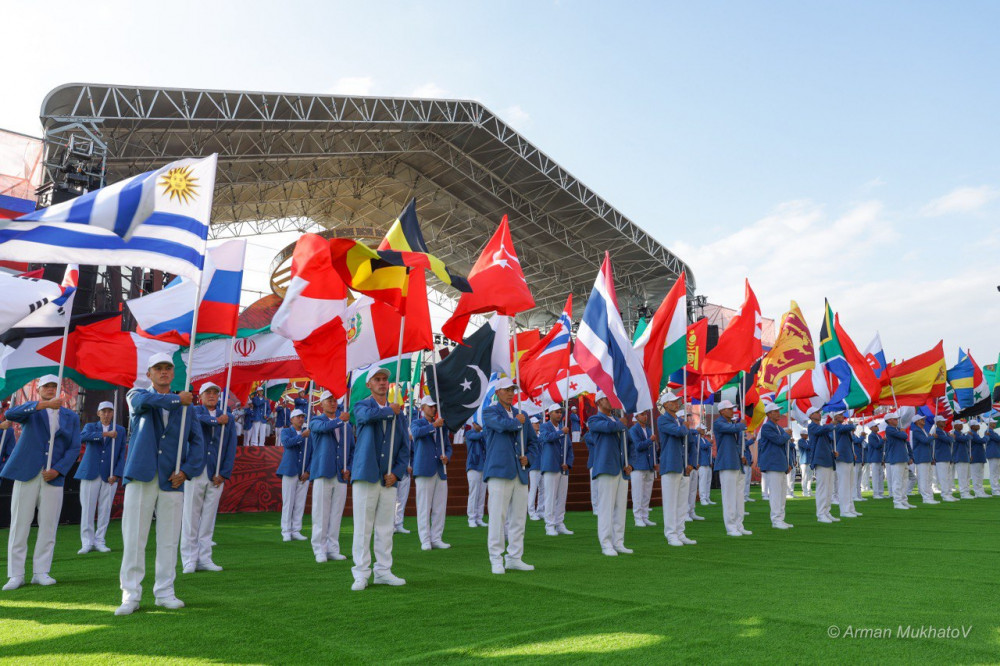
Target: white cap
505, 383
771, 407
554, 407
208, 385
726, 404
880, 426
47, 379
701, 426
891, 415
812, 410
573, 408
158, 358
376, 371
105, 405
974, 422
324, 395
681, 412
427, 401
534, 419
297, 412
837, 412
918, 417
668, 396
600, 394
939, 419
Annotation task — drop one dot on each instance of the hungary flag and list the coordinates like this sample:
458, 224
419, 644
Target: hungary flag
854, 384
662, 342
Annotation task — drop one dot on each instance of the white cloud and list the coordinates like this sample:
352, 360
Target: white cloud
515, 116
353, 85
961, 200
429, 90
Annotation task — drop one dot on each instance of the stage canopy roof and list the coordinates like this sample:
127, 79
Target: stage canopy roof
304, 162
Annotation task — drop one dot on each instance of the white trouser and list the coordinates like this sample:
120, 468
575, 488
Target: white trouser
807, 479
704, 483
432, 501
141, 499
329, 497
732, 499
293, 504
878, 479
536, 497
257, 433
556, 485
675, 503
593, 492
747, 475
924, 481
944, 478
790, 477
28, 496
845, 487
866, 477
642, 490
898, 474
477, 495
692, 494
374, 511
201, 504
95, 495
824, 491
911, 478
508, 507
858, 468
776, 482
977, 470
402, 497
765, 489
994, 475
611, 509
962, 473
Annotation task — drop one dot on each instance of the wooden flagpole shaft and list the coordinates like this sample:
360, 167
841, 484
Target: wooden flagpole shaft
223, 398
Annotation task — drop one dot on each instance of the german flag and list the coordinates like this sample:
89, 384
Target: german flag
382, 273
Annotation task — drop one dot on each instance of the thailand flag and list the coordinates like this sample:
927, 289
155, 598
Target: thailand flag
604, 350
168, 314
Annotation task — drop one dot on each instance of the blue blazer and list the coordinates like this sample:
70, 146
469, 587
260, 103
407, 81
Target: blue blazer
295, 445
554, 444
641, 449
427, 448
705, 453
8, 440
978, 450
608, 438
152, 450
303, 404
896, 450
942, 446
771, 443
96, 460
210, 431
282, 417
805, 450
821, 437
261, 408
503, 443
673, 437
921, 445
747, 451
31, 452
992, 444
845, 442
727, 444
372, 442
960, 452
327, 439
875, 448
859, 447
475, 456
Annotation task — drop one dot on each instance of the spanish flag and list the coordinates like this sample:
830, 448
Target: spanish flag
916, 379
382, 273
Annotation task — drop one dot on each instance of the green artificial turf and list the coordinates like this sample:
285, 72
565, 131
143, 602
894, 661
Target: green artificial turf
770, 597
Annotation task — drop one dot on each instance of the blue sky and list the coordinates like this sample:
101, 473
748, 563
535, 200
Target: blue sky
844, 150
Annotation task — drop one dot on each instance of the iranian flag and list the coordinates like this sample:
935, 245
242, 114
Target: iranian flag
256, 357
662, 343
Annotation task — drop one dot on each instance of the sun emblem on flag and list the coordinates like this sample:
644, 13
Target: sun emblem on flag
179, 183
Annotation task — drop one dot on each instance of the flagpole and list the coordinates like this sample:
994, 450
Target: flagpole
343, 433
305, 444
437, 400
114, 424
190, 364
517, 378
225, 398
684, 393
566, 403
62, 366
399, 360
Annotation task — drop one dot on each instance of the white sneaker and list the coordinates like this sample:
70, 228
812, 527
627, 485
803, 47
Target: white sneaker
562, 529
551, 531
687, 542
535, 517
43, 579
425, 546
497, 568
170, 603
472, 523
649, 523
610, 552
359, 585
639, 523
729, 533
321, 558
824, 519
101, 548
286, 537
931, 501
14, 583
389, 579
697, 517
674, 542
127, 608
441, 545
623, 550
297, 536
780, 526
833, 518
188, 568
896, 505
481, 523
401, 530
519, 565
712, 503
84, 550
214, 544
336, 557
749, 499
745, 532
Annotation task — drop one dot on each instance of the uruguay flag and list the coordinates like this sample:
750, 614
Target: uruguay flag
168, 314
604, 351
157, 219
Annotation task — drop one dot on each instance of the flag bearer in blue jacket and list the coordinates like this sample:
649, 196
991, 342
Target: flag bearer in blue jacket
693, 448
729, 459
99, 471
874, 451
748, 442
805, 469
8, 440
555, 441
294, 472
859, 457
897, 456
705, 465
152, 484
977, 459
823, 457
674, 470
380, 460
642, 454
611, 470
282, 419
475, 458
843, 436
941, 445
993, 455
921, 450
260, 409
772, 458
509, 438
36, 485
431, 453
203, 492
332, 440
961, 455
406, 481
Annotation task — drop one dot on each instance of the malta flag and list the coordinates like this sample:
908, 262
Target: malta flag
739, 345
663, 343
541, 364
498, 285
604, 351
310, 313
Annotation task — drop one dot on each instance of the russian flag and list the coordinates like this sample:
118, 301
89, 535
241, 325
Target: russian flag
604, 350
168, 314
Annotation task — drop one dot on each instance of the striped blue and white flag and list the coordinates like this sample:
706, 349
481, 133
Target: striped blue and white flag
157, 219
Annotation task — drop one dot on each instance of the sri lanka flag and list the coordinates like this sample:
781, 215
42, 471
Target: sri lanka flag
853, 382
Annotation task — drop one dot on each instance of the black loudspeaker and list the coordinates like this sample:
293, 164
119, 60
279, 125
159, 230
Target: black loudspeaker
712, 339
